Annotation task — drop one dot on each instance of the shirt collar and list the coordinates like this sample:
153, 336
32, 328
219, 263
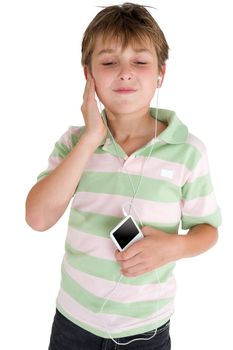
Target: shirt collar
175, 133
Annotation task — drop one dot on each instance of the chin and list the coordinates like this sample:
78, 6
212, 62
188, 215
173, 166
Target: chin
125, 108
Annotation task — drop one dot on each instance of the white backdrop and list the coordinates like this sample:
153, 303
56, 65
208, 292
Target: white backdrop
41, 88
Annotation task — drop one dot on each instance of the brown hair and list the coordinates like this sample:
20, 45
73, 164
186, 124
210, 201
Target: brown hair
128, 23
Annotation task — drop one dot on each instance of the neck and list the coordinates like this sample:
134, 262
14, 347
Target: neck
131, 126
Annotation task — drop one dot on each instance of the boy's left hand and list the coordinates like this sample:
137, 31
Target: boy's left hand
157, 248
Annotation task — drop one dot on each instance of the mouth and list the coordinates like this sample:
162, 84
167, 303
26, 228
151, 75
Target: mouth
125, 91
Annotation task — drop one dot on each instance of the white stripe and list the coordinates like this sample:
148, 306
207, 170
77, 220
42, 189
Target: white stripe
196, 142
201, 206
109, 204
123, 292
116, 323
90, 244
54, 161
201, 169
152, 168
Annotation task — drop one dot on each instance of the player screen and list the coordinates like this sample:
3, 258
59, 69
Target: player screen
125, 233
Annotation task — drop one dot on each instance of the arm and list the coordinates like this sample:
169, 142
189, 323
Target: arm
159, 248
199, 239
48, 199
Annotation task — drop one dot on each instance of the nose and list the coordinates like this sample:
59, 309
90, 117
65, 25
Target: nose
125, 77
125, 73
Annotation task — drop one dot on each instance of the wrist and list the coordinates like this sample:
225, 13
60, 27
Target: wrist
91, 140
180, 246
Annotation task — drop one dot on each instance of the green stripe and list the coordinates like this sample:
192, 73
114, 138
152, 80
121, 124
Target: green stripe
96, 224
134, 331
100, 225
201, 187
103, 268
74, 138
60, 150
100, 150
110, 270
139, 309
42, 175
214, 219
119, 184
185, 154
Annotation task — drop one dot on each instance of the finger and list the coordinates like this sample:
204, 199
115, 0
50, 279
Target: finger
134, 270
86, 89
90, 93
133, 250
148, 231
89, 84
135, 260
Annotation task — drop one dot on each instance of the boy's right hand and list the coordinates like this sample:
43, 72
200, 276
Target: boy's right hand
95, 127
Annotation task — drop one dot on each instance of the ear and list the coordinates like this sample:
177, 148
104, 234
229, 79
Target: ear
162, 74
85, 70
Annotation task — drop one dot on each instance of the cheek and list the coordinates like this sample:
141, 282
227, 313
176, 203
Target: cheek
151, 85
102, 83
154, 86
100, 88
100, 77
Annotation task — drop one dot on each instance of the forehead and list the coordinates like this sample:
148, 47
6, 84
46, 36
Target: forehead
112, 45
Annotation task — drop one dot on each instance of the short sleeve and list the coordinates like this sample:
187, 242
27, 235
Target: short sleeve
61, 149
199, 204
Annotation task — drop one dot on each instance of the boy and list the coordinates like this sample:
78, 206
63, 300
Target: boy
132, 159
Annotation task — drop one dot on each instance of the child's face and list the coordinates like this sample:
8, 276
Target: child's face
125, 80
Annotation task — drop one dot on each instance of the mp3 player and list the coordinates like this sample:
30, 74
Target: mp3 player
126, 233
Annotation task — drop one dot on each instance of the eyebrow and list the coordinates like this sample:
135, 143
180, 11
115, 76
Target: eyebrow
104, 51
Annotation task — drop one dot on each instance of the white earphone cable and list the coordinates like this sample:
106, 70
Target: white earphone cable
125, 213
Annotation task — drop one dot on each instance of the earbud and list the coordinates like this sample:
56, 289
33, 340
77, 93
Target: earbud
159, 81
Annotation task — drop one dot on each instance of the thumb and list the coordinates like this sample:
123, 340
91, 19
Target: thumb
149, 231
146, 231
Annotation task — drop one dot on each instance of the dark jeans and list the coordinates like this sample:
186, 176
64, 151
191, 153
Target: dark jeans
68, 336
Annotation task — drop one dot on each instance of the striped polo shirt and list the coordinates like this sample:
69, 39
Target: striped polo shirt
175, 190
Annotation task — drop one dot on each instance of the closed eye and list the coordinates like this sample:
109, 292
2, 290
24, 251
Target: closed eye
108, 63
139, 62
